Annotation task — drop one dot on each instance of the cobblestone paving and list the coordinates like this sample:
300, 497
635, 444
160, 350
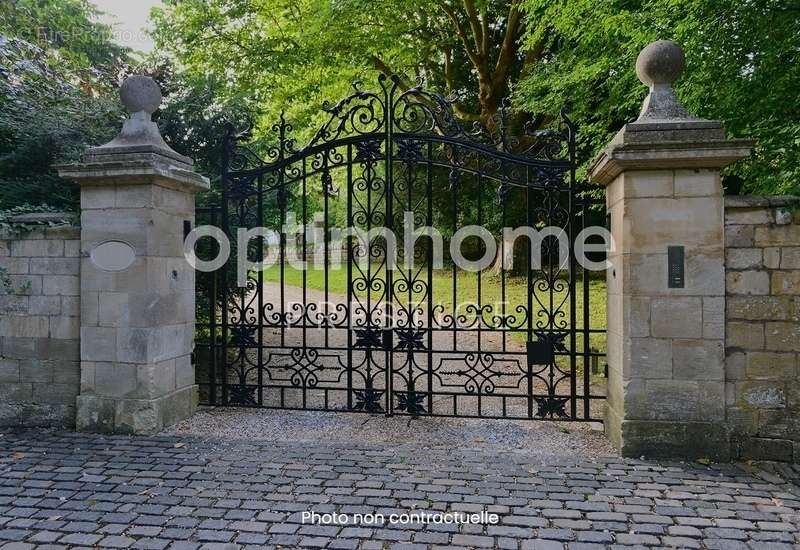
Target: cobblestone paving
60, 490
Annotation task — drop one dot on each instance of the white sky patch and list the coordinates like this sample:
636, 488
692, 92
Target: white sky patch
130, 19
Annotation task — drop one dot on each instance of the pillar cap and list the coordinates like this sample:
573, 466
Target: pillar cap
138, 155
666, 135
658, 66
141, 96
667, 155
139, 168
140, 93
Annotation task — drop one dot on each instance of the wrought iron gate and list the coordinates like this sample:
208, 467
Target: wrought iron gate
334, 325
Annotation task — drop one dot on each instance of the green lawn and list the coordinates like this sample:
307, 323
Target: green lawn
467, 292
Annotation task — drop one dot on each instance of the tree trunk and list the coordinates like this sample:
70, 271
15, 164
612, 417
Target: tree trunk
504, 259
511, 256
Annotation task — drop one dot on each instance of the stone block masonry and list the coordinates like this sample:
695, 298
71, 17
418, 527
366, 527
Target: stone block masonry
666, 341
137, 289
40, 326
762, 368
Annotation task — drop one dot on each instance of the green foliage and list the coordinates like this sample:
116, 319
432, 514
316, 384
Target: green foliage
258, 50
742, 67
245, 60
58, 76
292, 55
7, 226
6, 284
68, 27
194, 115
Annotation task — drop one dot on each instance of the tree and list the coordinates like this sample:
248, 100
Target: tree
742, 67
58, 80
291, 55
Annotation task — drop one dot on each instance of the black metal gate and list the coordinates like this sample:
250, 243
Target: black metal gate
334, 324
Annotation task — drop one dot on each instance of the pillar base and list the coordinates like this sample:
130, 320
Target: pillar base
684, 440
135, 416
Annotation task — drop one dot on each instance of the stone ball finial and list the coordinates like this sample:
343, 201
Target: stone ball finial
660, 62
140, 93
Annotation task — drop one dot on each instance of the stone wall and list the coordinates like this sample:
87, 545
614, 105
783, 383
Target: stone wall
40, 327
762, 259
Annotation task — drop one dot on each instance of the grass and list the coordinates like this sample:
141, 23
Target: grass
467, 292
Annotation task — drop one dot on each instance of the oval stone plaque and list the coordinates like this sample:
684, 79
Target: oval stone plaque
113, 255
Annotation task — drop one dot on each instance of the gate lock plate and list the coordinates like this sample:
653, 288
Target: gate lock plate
387, 339
540, 353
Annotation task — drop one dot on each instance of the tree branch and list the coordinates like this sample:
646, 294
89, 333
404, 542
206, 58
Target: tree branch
509, 48
475, 25
486, 33
451, 86
473, 56
465, 115
380, 65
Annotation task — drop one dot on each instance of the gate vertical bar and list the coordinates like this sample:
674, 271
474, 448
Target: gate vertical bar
349, 308
326, 260
587, 360
304, 315
227, 149
429, 198
388, 299
479, 192
282, 197
212, 307
260, 293
531, 290
573, 351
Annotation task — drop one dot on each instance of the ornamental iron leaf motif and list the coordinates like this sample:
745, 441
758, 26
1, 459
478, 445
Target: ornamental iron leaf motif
368, 151
549, 407
409, 150
327, 184
243, 336
411, 402
409, 339
369, 338
502, 192
368, 400
553, 337
454, 180
242, 187
242, 394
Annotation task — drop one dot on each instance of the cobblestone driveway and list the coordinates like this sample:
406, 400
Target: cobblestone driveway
78, 490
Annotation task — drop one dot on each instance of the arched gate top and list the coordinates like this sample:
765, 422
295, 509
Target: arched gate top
402, 116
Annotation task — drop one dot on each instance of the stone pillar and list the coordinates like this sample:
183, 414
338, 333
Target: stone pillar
136, 288
666, 377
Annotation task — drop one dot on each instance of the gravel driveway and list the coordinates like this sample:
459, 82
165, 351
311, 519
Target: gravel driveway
539, 439
461, 360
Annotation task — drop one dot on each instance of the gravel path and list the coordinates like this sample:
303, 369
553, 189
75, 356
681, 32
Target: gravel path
538, 438
498, 364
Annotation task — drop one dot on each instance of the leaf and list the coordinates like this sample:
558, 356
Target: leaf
179, 445
705, 461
